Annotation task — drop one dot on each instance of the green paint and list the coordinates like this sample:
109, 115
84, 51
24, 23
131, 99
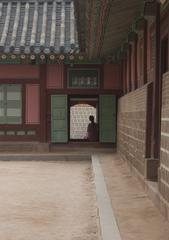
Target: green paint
83, 78
107, 118
9, 60
59, 123
38, 61
10, 104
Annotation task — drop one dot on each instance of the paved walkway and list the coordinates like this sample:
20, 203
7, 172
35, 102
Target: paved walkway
136, 215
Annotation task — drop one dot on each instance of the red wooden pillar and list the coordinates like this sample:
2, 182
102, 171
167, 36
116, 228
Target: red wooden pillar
145, 54
149, 120
123, 76
135, 67
125, 73
129, 73
43, 102
157, 90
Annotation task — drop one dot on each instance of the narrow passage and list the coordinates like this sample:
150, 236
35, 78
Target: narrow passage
136, 215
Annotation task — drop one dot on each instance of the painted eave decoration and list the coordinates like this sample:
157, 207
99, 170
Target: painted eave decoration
31, 28
104, 24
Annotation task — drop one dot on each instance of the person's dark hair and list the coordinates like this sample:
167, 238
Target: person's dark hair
91, 118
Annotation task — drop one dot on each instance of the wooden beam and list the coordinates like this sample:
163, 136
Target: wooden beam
90, 26
43, 102
105, 9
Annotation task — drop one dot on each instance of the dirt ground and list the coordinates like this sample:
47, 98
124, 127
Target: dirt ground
136, 215
48, 201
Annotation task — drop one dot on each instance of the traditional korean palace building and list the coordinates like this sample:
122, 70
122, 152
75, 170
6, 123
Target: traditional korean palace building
42, 67
111, 56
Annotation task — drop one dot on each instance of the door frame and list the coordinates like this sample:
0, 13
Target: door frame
81, 96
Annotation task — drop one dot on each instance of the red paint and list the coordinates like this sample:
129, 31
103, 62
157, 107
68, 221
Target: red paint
127, 71
55, 76
8, 71
132, 66
148, 52
43, 103
112, 76
32, 104
140, 62
145, 53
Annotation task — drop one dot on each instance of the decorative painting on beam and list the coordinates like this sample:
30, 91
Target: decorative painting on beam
83, 78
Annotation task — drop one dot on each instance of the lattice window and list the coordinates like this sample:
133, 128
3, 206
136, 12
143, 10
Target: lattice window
10, 104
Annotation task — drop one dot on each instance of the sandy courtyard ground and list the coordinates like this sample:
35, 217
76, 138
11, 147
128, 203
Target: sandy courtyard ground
47, 201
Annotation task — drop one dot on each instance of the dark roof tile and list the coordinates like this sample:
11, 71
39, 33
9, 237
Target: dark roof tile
37, 26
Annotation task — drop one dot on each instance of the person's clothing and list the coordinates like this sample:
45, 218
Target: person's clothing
92, 131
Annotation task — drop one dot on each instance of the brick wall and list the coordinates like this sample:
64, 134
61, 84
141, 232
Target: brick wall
164, 153
131, 127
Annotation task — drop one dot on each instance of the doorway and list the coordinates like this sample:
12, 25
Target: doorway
80, 108
102, 107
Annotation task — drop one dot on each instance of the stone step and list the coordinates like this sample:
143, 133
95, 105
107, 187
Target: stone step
36, 147
45, 157
21, 147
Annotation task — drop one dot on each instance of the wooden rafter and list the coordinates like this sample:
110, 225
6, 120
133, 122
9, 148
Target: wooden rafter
105, 6
90, 25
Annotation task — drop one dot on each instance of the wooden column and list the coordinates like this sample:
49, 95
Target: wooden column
125, 72
157, 90
123, 76
129, 73
149, 120
145, 54
43, 103
135, 61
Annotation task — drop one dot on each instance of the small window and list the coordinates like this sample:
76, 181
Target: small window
10, 104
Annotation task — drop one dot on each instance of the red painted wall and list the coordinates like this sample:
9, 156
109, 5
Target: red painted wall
8, 71
55, 76
32, 104
112, 76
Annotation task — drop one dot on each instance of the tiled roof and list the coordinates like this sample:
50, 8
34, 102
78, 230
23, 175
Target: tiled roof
33, 26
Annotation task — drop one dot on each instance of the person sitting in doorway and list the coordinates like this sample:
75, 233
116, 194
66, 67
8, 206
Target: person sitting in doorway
92, 130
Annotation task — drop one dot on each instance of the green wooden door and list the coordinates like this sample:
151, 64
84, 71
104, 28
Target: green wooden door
59, 127
107, 118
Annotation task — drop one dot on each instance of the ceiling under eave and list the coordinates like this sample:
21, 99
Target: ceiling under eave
104, 24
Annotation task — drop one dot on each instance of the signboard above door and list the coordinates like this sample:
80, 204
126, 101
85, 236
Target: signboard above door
83, 78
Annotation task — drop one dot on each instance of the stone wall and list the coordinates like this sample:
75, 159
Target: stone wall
131, 127
164, 153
